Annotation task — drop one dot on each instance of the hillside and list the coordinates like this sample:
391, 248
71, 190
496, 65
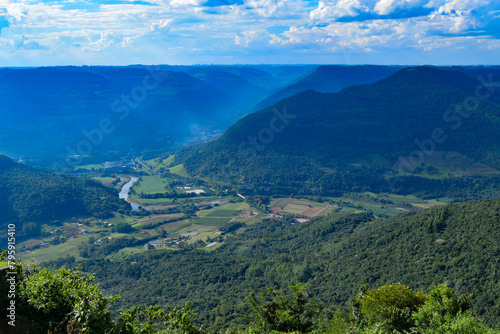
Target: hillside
360, 139
31, 196
455, 244
331, 79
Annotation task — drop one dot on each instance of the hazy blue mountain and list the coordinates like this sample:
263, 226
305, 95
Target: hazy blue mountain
57, 111
330, 79
266, 77
45, 110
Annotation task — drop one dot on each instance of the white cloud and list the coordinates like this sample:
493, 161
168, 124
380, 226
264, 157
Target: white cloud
130, 32
328, 10
385, 7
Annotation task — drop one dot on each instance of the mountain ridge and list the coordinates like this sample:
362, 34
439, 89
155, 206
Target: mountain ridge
369, 125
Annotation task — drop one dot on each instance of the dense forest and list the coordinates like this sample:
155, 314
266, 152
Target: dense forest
456, 245
66, 301
31, 196
397, 135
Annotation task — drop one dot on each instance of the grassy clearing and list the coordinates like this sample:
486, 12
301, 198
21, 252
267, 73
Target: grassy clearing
294, 208
241, 220
175, 226
326, 211
158, 219
203, 230
169, 160
151, 185
236, 206
70, 247
90, 167
222, 213
124, 252
158, 163
211, 221
151, 201
179, 170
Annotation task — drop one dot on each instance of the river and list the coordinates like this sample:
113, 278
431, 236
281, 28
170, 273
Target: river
125, 190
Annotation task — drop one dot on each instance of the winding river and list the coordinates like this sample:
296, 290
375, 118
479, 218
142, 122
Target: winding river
125, 190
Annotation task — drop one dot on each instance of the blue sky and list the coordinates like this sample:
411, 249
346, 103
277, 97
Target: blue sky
120, 32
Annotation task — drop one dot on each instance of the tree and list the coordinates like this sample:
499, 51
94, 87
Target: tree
445, 313
55, 300
144, 319
278, 311
392, 305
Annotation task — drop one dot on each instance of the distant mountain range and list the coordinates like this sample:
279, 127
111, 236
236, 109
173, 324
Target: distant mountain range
416, 122
331, 79
95, 111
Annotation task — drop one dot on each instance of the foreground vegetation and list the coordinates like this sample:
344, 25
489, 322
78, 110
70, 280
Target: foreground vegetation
66, 301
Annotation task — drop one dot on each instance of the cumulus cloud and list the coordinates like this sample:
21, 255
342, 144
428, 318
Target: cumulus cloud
181, 30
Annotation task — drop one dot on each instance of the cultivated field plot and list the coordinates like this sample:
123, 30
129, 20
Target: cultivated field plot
203, 231
175, 226
210, 221
159, 218
105, 180
303, 208
225, 210
313, 211
294, 209
222, 213
151, 185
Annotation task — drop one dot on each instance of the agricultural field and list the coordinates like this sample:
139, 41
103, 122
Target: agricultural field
306, 209
68, 238
299, 208
151, 185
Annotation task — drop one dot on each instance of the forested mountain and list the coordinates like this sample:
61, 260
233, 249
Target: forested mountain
331, 79
30, 196
455, 244
421, 121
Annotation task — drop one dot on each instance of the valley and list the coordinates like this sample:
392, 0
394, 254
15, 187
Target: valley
337, 178
169, 210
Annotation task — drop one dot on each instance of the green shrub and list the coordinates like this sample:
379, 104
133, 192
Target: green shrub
392, 305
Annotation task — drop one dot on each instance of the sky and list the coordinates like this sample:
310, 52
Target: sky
122, 32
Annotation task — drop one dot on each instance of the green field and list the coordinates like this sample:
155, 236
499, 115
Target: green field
179, 170
222, 213
70, 247
158, 163
90, 167
294, 208
151, 185
210, 221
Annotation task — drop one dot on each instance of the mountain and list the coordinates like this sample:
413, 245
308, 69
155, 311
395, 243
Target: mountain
237, 88
410, 132
453, 244
28, 195
266, 77
49, 111
331, 79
